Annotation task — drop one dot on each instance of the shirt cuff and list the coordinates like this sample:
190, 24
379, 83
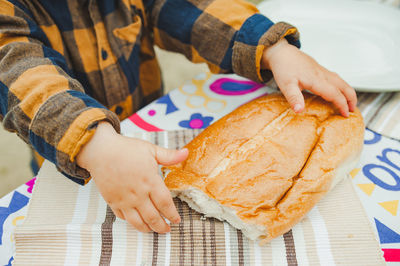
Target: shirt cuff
79, 127
80, 132
256, 34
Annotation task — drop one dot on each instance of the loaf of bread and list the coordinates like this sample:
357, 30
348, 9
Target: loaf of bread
263, 167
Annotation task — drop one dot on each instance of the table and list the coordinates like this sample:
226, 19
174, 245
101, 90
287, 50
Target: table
204, 100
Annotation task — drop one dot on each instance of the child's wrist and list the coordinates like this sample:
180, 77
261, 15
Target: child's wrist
88, 152
270, 52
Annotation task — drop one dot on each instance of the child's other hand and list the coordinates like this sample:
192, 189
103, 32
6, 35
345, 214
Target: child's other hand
125, 171
295, 71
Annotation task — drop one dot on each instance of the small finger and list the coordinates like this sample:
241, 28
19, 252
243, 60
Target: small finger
348, 92
334, 95
134, 218
162, 200
294, 96
151, 216
118, 213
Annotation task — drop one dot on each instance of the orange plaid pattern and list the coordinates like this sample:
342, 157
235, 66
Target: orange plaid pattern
66, 65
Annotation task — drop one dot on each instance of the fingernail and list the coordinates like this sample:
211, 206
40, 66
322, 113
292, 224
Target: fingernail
297, 107
177, 221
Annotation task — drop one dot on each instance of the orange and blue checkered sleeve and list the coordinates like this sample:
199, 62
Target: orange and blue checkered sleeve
228, 35
39, 100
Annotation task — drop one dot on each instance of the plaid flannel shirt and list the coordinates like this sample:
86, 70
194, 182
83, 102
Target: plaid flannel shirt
65, 65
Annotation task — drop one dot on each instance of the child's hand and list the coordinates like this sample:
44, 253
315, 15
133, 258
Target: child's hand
295, 71
125, 171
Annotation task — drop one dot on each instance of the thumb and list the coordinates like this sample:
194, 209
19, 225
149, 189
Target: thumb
169, 156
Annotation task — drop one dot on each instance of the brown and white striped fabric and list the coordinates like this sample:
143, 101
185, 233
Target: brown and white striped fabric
381, 112
71, 225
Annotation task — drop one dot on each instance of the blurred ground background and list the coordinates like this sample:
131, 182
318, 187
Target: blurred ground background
15, 154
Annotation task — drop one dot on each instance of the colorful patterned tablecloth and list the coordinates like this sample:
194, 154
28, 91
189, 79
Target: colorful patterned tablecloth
204, 100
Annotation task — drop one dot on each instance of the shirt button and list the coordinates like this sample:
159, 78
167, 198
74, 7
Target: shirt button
104, 54
118, 110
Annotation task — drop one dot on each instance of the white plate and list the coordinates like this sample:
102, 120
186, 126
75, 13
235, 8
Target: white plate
358, 40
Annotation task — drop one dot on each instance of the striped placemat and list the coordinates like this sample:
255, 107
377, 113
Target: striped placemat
381, 112
72, 225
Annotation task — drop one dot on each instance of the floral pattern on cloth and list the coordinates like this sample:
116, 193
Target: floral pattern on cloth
196, 121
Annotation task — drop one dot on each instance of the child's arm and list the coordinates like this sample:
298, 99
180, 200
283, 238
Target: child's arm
39, 100
48, 109
230, 36
295, 71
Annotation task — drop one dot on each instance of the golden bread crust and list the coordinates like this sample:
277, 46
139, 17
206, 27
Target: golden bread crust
268, 164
